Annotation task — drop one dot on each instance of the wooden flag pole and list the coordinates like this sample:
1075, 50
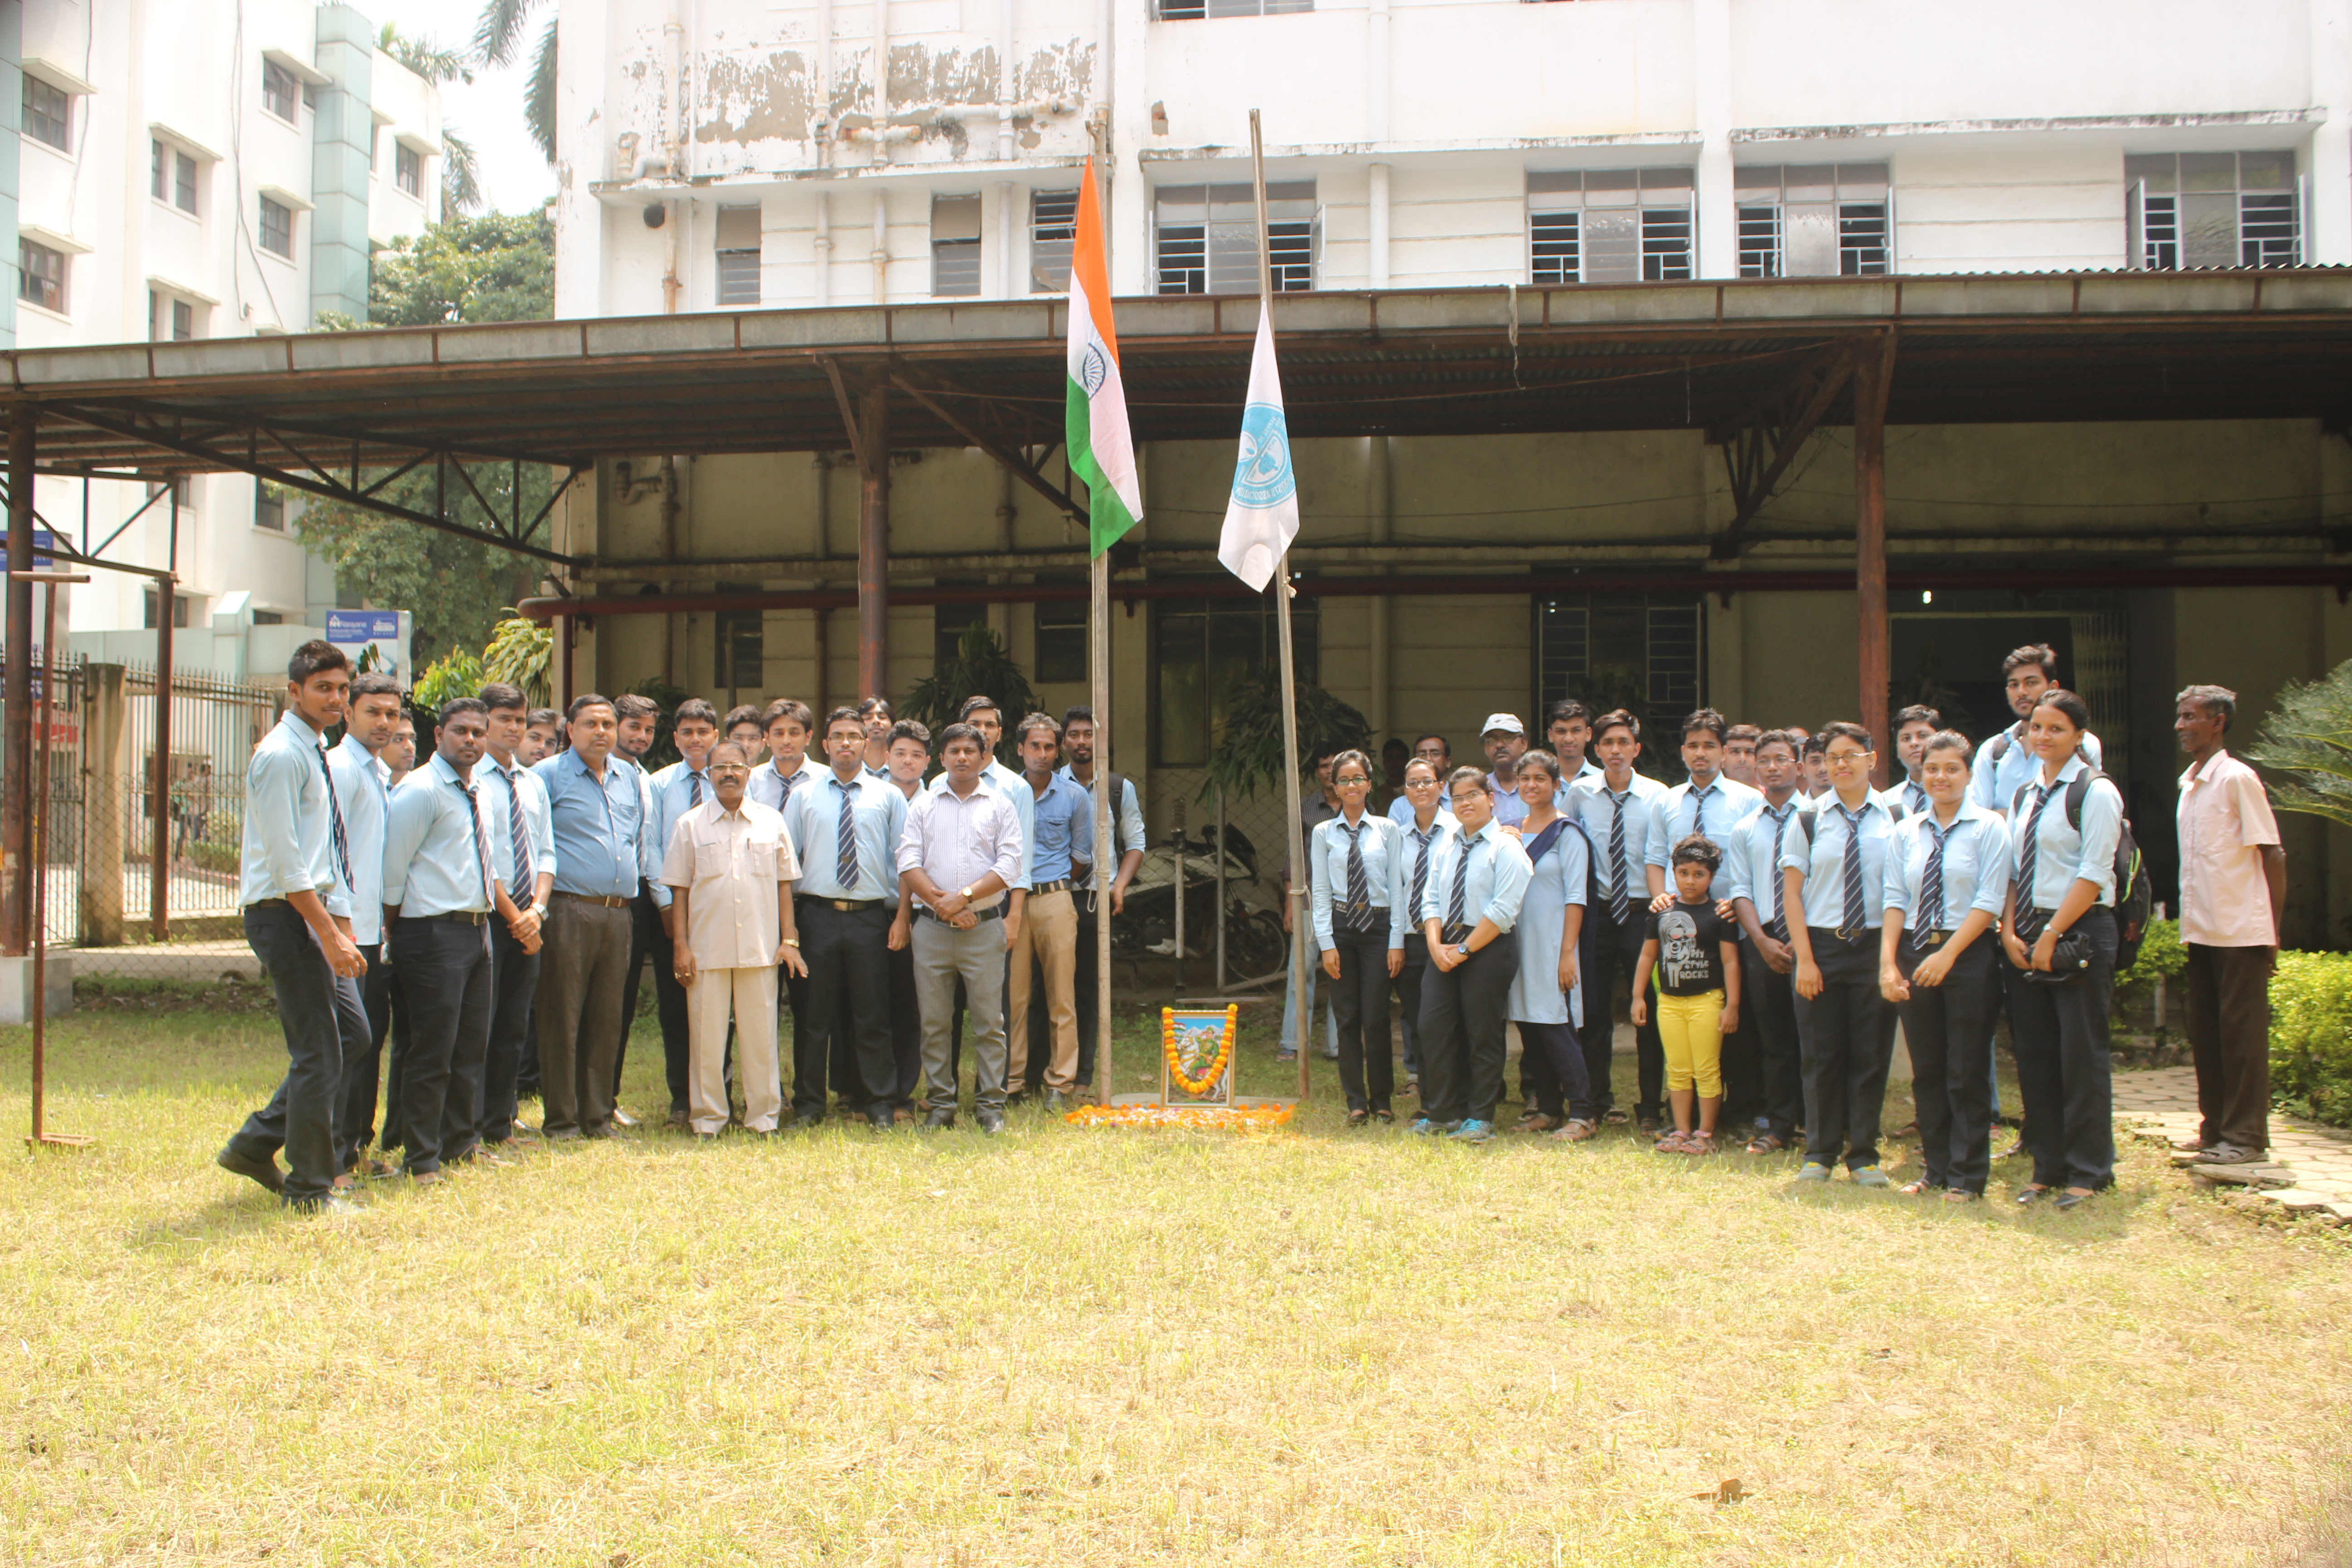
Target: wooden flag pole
1296, 857
1098, 664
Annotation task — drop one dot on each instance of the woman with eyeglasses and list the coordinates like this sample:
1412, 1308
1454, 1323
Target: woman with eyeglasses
1544, 1002
1352, 859
1469, 911
2059, 933
1426, 820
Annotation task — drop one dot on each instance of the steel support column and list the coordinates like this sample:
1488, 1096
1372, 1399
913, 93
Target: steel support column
1872, 372
873, 444
15, 825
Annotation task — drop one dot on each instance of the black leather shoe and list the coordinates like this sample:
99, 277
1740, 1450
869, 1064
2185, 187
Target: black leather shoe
990, 1121
879, 1118
805, 1123
2072, 1200
265, 1172
2028, 1197
940, 1118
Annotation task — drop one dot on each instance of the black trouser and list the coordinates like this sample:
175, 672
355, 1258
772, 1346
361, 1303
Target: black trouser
1462, 1025
446, 967
2230, 1042
1943, 1027
324, 1021
1768, 1028
1616, 947
848, 953
1847, 1036
395, 1059
1086, 993
648, 938
355, 1115
848, 1084
2063, 1066
1360, 1004
1407, 989
514, 981
1550, 1055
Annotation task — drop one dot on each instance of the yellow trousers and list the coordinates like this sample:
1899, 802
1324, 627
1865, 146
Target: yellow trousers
1689, 1028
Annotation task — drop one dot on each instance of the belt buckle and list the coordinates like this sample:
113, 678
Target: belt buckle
1934, 939
1846, 934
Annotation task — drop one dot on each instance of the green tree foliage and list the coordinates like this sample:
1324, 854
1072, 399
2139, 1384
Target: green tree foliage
2311, 1035
496, 268
1249, 755
523, 654
498, 38
457, 673
980, 666
2307, 746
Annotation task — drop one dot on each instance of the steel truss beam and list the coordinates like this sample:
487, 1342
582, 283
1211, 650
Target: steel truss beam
1764, 439
512, 532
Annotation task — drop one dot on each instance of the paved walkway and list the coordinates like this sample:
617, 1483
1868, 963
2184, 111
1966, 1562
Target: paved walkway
2310, 1167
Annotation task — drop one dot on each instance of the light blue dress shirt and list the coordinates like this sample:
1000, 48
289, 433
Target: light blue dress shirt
1014, 788
1495, 874
2061, 856
500, 787
674, 790
1401, 809
1414, 847
1062, 820
364, 783
1726, 802
878, 817
602, 843
770, 789
1910, 796
1994, 785
1825, 863
1597, 807
435, 851
1975, 873
1751, 862
1328, 869
1127, 832
1561, 796
288, 834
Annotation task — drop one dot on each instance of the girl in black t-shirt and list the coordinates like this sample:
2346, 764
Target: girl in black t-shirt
1691, 950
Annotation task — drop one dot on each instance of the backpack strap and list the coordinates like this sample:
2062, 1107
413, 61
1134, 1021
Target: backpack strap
2000, 745
2080, 791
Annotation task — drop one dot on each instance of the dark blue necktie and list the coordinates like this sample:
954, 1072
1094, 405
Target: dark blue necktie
335, 807
1698, 811
519, 833
1619, 904
845, 839
2027, 846
693, 789
481, 842
1855, 914
1931, 880
1358, 912
1780, 927
1458, 902
1420, 867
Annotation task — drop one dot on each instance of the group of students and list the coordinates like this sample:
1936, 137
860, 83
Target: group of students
488, 908
1773, 916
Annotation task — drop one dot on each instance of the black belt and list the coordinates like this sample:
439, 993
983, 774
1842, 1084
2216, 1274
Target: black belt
603, 900
1056, 887
1348, 915
454, 918
993, 911
844, 905
1453, 936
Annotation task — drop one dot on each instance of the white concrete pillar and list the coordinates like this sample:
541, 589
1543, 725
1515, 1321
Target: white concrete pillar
2328, 164
1378, 208
1715, 210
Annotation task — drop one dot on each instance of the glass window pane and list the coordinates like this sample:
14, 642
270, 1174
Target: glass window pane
1052, 231
2209, 171
2158, 172
1666, 243
1552, 245
2266, 170
1613, 247
1759, 242
2209, 226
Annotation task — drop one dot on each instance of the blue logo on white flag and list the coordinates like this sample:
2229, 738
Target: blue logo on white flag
1262, 478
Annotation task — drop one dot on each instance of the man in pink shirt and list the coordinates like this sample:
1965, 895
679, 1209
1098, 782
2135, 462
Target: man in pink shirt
2232, 888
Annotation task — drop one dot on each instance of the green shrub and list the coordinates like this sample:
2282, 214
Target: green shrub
2161, 956
2311, 1035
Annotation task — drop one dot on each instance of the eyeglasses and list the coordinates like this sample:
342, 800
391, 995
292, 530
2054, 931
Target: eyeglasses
1421, 783
1465, 797
717, 768
1346, 779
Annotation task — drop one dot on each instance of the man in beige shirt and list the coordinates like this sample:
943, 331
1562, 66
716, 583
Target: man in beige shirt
731, 866
2232, 890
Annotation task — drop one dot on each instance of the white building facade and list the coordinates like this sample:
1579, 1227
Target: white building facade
204, 169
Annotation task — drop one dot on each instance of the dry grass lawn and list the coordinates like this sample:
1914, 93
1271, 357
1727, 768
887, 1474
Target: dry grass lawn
1312, 1347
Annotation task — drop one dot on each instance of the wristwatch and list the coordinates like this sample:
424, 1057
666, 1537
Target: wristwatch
964, 893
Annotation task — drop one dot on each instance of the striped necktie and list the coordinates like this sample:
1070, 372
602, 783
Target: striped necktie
335, 807
1698, 810
1619, 904
1915, 797
1780, 927
693, 789
1854, 914
481, 842
1458, 901
2029, 920
845, 839
1931, 880
519, 834
1420, 867
1359, 913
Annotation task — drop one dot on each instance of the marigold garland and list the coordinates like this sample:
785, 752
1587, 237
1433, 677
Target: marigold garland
1226, 1118
1200, 1087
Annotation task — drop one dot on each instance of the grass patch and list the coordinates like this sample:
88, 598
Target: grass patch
1313, 1346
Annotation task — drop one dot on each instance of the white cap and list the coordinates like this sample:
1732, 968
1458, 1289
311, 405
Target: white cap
1506, 722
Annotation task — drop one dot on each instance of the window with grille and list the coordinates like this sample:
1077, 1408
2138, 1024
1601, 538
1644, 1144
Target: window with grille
268, 509
1645, 653
408, 169
1206, 238
1198, 647
1195, 10
277, 228
1053, 231
41, 275
2213, 209
278, 91
179, 610
49, 114
169, 320
1062, 641
736, 243
738, 649
955, 248
1608, 226
183, 182
1813, 220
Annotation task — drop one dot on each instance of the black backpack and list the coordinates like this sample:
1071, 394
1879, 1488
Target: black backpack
2134, 895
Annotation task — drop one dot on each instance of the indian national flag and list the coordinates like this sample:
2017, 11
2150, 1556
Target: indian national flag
1101, 451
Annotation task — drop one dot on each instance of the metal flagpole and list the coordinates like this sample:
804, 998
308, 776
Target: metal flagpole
1098, 663
1296, 857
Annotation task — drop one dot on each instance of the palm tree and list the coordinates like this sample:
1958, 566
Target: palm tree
423, 55
461, 176
497, 34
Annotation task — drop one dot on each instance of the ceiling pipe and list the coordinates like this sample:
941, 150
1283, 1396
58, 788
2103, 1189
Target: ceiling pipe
2031, 579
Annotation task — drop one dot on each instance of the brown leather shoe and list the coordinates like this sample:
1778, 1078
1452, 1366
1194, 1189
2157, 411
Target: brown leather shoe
1536, 1122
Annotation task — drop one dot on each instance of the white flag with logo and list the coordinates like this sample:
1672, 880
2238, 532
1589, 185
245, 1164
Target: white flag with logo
1261, 519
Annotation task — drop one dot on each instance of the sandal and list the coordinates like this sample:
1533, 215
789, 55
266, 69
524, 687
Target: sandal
1672, 1143
1699, 1144
1918, 1188
1539, 1121
1385, 1116
1767, 1144
1358, 1118
1613, 1117
1576, 1131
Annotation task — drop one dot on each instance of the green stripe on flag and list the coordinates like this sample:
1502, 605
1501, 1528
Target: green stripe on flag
1108, 521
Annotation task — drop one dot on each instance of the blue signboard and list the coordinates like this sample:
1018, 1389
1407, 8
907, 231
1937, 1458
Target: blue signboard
43, 539
362, 625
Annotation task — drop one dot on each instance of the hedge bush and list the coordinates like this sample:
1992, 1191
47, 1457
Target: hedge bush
2311, 1035
2160, 955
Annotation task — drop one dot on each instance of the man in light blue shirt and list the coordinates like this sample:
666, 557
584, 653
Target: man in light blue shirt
1434, 750
1616, 810
677, 790
522, 847
363, 787
1062, 825
440, 883
1505, 741
296, 846
1568, 726
1127, 843
2004, 763
1913, 725
790, 726
1707, 803
601, 852
1769, 1067
845, 830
